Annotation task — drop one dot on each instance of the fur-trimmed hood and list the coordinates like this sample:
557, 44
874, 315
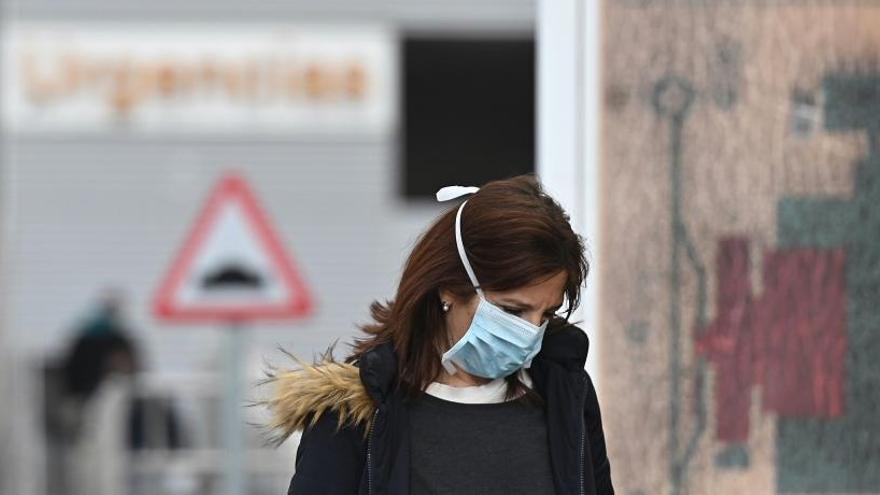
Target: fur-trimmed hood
300, 397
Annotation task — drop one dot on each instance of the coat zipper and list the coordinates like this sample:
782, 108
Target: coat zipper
583, 433
370, 454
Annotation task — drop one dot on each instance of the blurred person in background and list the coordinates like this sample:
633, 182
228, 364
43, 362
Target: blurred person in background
101, 349
94, 411
102, 346
471, 380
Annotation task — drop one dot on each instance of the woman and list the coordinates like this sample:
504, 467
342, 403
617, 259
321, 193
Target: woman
468, 382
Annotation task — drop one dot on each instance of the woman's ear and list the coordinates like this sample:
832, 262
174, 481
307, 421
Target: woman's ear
455, 300
447, 296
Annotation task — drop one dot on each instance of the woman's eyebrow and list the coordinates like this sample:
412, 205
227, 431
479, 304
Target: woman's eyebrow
514, 302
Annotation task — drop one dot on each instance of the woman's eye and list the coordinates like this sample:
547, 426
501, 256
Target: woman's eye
513, 311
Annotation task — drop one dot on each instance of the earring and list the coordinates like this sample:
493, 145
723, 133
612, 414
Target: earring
446, 306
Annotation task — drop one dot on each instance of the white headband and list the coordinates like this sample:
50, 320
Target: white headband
452, 192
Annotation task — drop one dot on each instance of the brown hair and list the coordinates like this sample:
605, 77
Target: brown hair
514, 234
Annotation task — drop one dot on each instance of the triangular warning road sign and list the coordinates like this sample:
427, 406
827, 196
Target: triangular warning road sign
232, 266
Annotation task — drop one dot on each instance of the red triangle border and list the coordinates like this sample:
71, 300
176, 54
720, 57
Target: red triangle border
232, 187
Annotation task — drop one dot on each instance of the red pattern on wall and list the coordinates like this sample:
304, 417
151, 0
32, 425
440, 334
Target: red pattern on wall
791, 341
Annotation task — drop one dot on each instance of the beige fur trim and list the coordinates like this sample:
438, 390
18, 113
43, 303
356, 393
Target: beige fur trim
302, 396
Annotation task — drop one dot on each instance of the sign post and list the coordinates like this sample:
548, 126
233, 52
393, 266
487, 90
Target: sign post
232, 421
232, 270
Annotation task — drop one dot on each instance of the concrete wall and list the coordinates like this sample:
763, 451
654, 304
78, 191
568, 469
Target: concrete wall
740, 200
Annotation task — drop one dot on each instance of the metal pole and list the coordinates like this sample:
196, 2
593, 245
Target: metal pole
233, 399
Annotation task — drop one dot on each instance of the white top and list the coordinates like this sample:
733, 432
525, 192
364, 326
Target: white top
488, 393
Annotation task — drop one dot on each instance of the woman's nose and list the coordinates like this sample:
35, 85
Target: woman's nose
535, 318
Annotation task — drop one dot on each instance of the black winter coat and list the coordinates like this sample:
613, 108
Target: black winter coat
375, 460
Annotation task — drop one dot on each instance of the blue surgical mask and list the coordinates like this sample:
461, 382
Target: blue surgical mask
497, 343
